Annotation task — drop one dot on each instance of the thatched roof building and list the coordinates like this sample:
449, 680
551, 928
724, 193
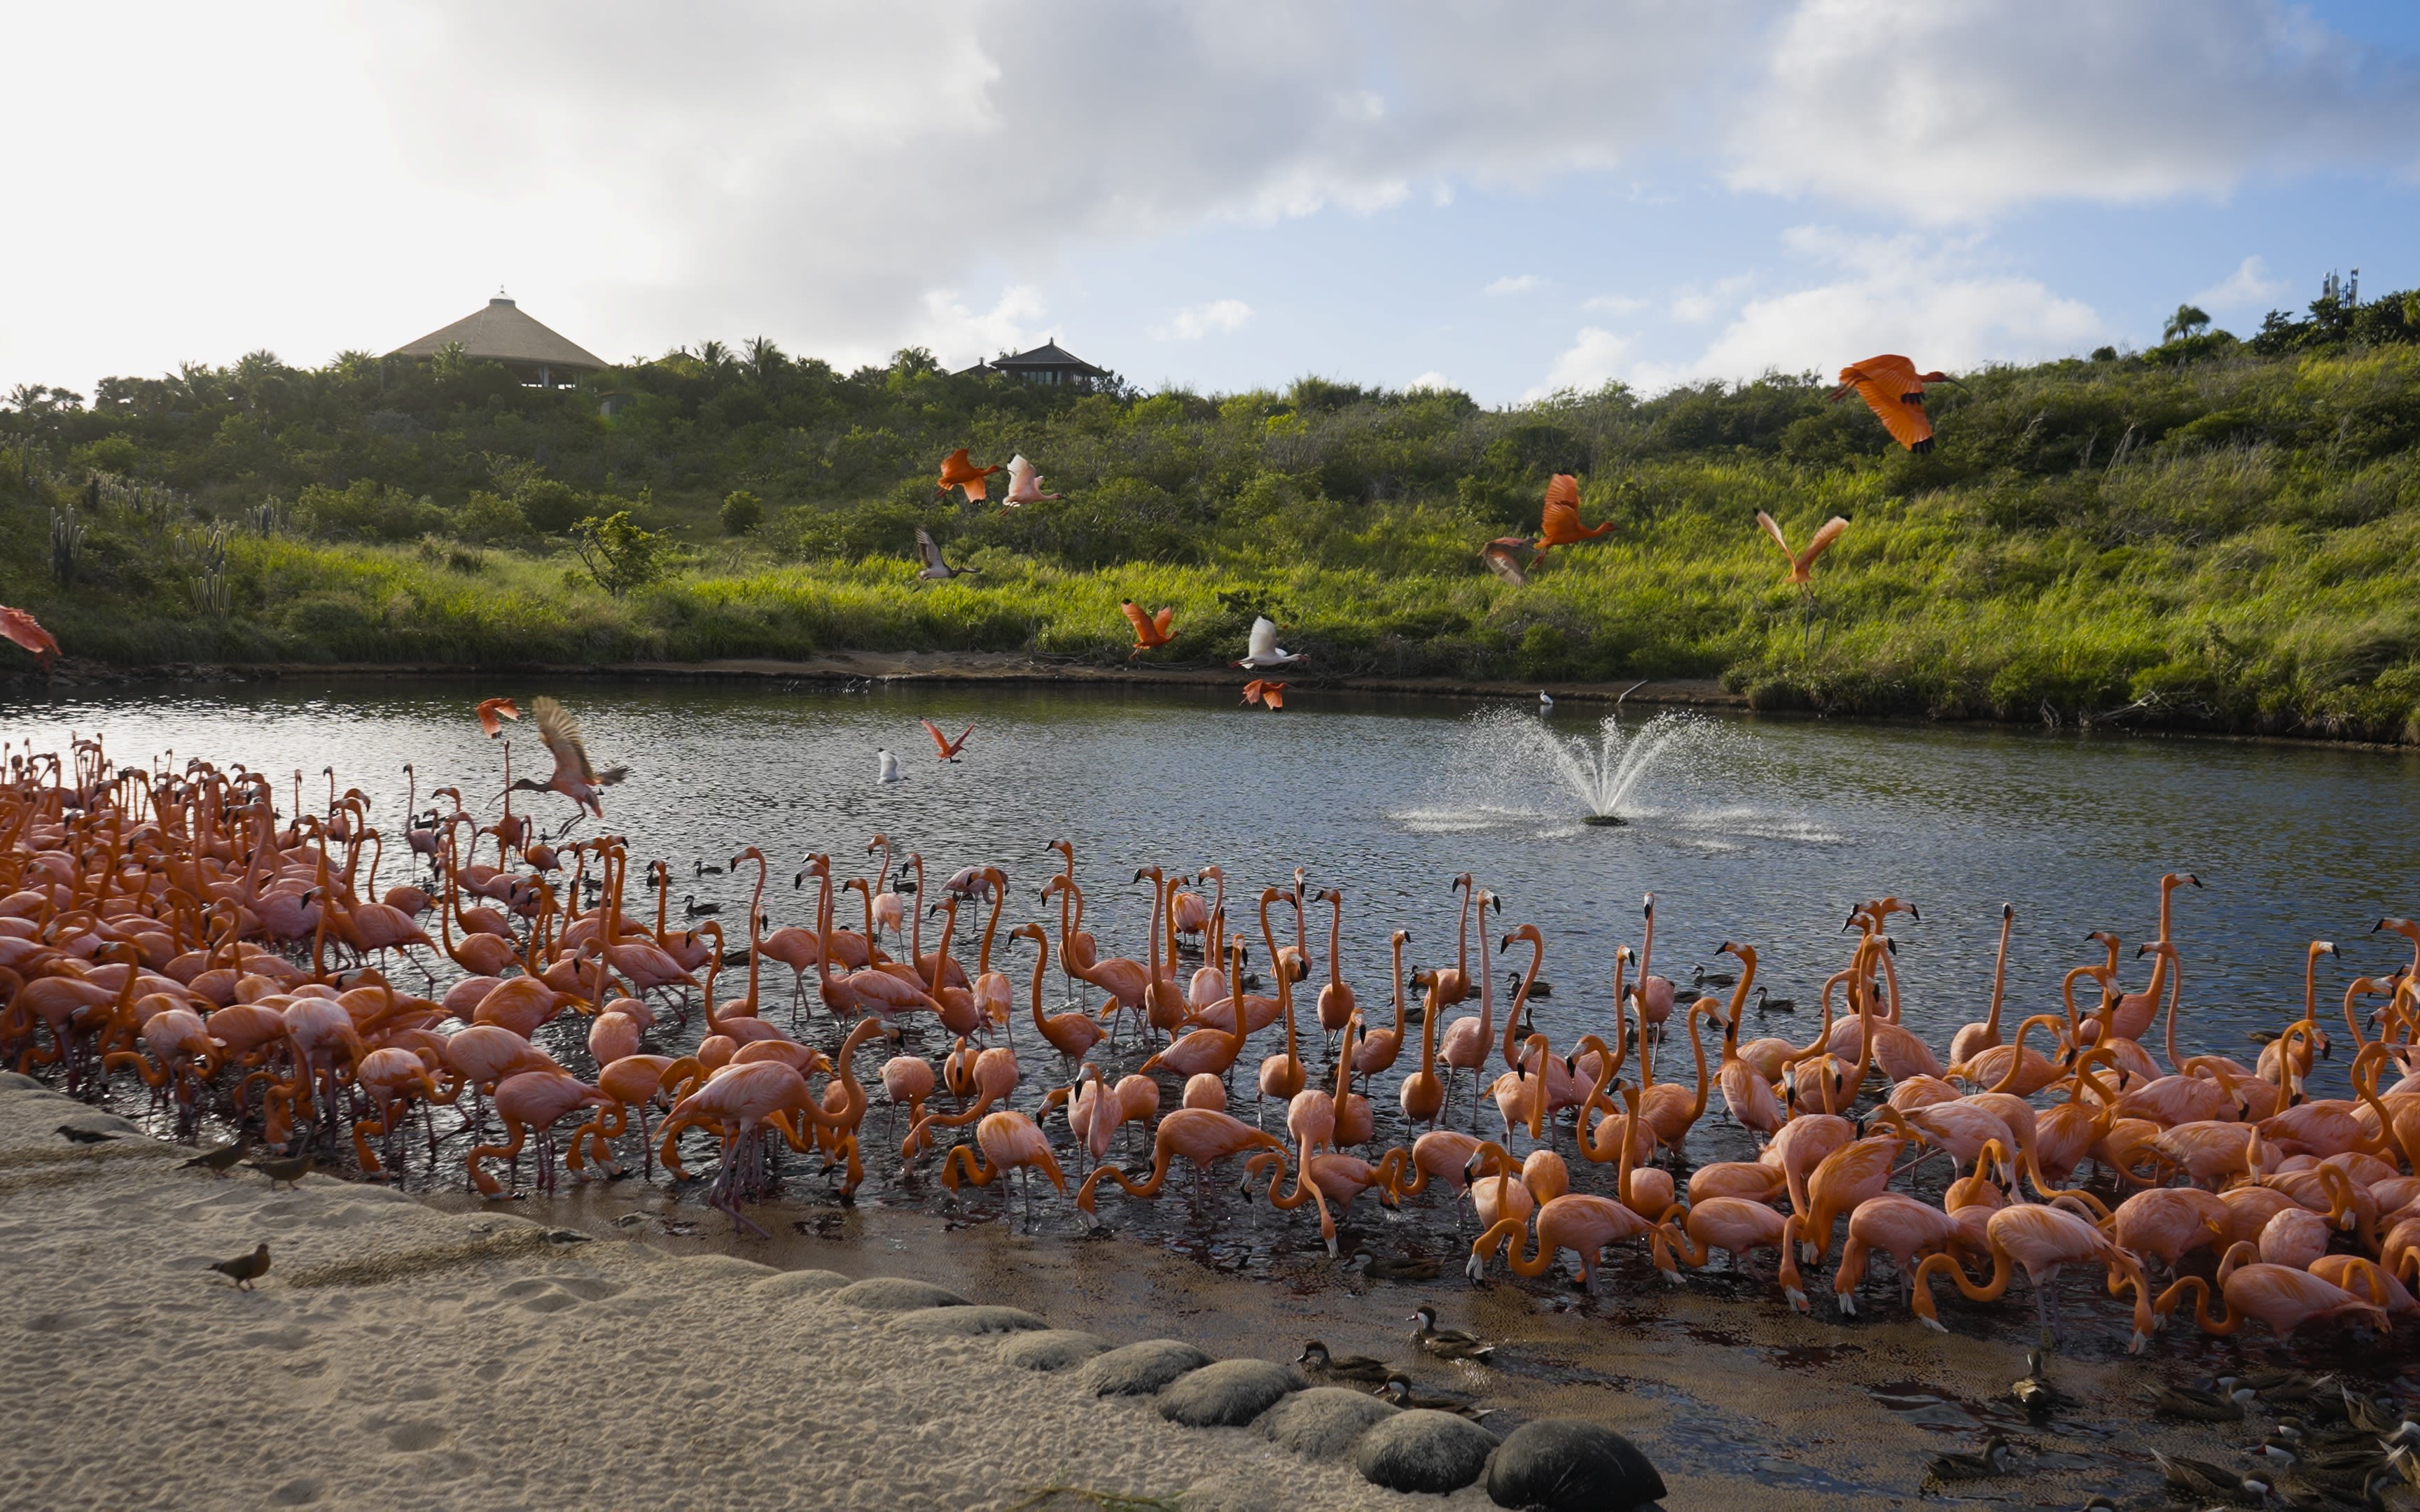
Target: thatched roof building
501, 333
1046, 364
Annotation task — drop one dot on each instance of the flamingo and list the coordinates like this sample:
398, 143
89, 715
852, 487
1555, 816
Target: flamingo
1558, 522
2280, 1296
1802, 563
947, 749
24, 630
2044, 1240
1894, 390
957, 471
573, 777
1379, 1048
1024, 484
494, 712
1008, 1140
1201, 1136
1151, 631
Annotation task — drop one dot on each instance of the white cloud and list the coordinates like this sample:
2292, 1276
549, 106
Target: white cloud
1936, 299
1196, 321
1431, 379
1514, 283
1947, 113
2248, 287
1592, 361
951, 329
1695, 303
1612, 304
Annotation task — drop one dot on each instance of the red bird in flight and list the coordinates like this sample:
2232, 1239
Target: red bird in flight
1894, 390
949, 748
1151, 631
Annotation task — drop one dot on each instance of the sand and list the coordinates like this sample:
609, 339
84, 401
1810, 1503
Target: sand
400, 1357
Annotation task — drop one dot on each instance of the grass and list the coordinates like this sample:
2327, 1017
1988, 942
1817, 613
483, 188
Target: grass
2222, 544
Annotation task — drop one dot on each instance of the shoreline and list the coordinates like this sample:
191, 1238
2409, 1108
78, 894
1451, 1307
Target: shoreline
1017, 669
618, 1346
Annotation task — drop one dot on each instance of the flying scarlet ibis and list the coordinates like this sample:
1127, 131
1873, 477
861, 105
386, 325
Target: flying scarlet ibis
1894, 390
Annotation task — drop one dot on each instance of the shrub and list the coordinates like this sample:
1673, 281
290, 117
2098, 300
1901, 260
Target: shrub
741, 512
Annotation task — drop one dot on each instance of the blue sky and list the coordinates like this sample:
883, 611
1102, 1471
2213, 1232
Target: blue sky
1506, 199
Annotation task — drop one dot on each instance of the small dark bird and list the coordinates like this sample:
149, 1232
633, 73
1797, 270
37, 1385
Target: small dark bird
2200, 1478
735, 958
220, 1159
83, 1136
702, 870
1315, 1359
1704, 978
1448, 1343
2333, 1469
1775, 1005
1398, 1391
693, 909
2034, 1393
1984, 1463
289, 1170
244, 1269
1400, 1267
2199, 1406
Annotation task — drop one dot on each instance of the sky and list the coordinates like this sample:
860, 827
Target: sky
1506, 199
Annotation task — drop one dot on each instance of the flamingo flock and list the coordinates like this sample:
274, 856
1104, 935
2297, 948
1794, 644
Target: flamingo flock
220, 947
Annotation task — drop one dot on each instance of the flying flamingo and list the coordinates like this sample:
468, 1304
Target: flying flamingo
1151, 631
26, 631
1894, 390
1267, 694
1559, 523
494, 712
948, 748
1802, 564
958, 473
573, 777
1024, 484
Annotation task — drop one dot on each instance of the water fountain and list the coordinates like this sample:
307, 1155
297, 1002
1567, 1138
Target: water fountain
1604, 769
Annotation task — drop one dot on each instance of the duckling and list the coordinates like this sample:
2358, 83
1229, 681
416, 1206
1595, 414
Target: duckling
1775, 1005
2034, 1393
1541, 988
289, 1170
1398, 1391
244, 1269
2200, 1405
2201, 1478
218, 1158
1448, 1343
1984, 1463
1399, 1268
1315, 1359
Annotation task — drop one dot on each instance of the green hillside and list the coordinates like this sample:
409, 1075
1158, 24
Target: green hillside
2210, 535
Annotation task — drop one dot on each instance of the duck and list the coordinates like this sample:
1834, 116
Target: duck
1398, 1391
702, 870
1704, 978
693, 909
2198, 1478
2034, 1391
1775, 1005
1448, 1343
2200, 1405
1399, 1268
1982, 1464
1537, 989
1315, 1359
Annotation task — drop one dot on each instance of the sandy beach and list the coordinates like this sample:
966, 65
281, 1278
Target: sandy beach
612, 1349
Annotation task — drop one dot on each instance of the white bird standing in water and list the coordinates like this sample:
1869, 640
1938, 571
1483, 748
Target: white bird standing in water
890, 768
1545, 701
1265, 650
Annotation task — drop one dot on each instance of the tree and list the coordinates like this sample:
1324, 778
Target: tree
742, 511
549, 505
2189, 320
619, 555
765, 363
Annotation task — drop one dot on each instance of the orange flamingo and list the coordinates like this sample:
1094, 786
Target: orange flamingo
2044, 1240
1559, 523
24, 630
1008, 1140
1379, 1049
2283, 1298
1976, 1038
1894, 390
1072, 1035
959, 472
494, 712
1197, 1136
1151, 631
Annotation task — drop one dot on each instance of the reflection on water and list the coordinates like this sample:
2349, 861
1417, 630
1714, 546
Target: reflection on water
1758, 830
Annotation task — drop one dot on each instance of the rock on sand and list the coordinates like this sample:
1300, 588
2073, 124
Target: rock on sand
1423, 1450
1139, 1369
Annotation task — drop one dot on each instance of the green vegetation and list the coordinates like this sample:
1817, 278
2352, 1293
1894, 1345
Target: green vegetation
2210, 535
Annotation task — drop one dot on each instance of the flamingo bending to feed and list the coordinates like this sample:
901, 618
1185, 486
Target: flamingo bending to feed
2043, 1239
2280, 1296
1198, 1136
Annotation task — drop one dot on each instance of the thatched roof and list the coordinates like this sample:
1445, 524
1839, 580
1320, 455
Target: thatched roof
1048, 355
500, 334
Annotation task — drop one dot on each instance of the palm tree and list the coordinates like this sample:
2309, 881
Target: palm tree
2189, 320
715, 355
765, 361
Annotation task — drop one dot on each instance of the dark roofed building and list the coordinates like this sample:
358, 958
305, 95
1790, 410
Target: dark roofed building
1046, 364
501, 333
